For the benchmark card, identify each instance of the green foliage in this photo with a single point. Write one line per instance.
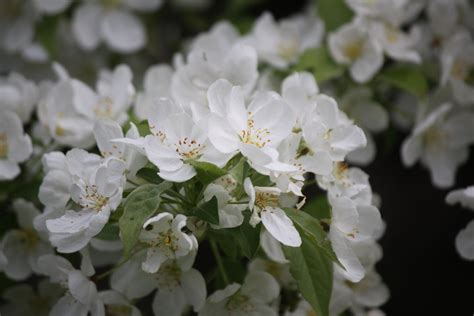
(109, 232)
(150, 175)
(319, 62)
(207, 172)
(140, 205)
(46, 33)
(334, 13)
(318, 207)
(311, 264)
(406, 77)
(207, 211)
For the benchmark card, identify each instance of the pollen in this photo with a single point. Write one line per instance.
(353, 50)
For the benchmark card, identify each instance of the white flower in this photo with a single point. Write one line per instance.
(214, 55)
(15, 146)
(280, 271)
(280, 44)
(465, 241)
(52, 6)
(176, 140)
(255, 130)
(22, 300)
(179, 286)
(457, 63)
(57, 112)
(230, 215)
(329, 131)
(394, 12)
(253, 297)
(265, 207)
(367, 114)
(112, 99)
(116, 304)
(23, 246)
(120, 29)
(440, 141)
(463, 196)
(164, 236)
(98, 193)
(353, 45)
(107, 130)
(156, 85)
(18, 95)
(81, 296)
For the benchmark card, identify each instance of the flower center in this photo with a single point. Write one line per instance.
(3, 146)
(29, 238)
(239, 302)
(434, 137)
(391, 33)
(189, 148)
(254, 136)
(266, 199)
(353, 50)
(288, 49)
(165, 240)
(93, 199)
(118, 310)
(103, 108)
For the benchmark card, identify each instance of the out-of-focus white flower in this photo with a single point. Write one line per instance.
(23, 246)
(214, 55)
(51, 6)
(280, 271)
(465, 241)
(116, 304)
(22, 300)
(98, 193)
(463, 196)
(265, 207)
(457, 62)
(280, 44)
(440, 140)
(367, 114)
(156, 85)
(353, 45)
(166, 240)
(112, 99)
(18, 95)
(15, 146)
(117, 26)
(81, 295)
(253, 297)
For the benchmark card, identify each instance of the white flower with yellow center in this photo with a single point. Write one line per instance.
(253, 297)
(164, 236)
(265, 207)
(15, 146)
(97, 193)
(255, 130)
(176, 140)
(353, 45)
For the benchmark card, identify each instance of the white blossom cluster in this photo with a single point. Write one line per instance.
(186, 193)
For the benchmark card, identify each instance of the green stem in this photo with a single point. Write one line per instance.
(220, 264)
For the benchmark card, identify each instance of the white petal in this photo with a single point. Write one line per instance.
(194, 287)
(169, 302)
(123, 31)
(81, 288)
(261, 286)
(465, 242)
(86, 25)
(8, 170)
(280, 226)
(272, 247)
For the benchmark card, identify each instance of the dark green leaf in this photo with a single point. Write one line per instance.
(207, 211)
(334, 13)
(311, 227)
(46, 33)
(247, 238)
(318, 207)
(406, 77)
(109, 232)
(140, 205)
(207, 172)
(150, 175)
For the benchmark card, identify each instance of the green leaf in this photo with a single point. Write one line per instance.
(406, 77)
(311, 227)
(312, 264)
(208, 211)
(318, 207)
(150, 175)
(334, 13)
(140, 205)
(46, 32)
(247, 238)
(320, 63)
(109, 232)
(207, 172)
(313, 272)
